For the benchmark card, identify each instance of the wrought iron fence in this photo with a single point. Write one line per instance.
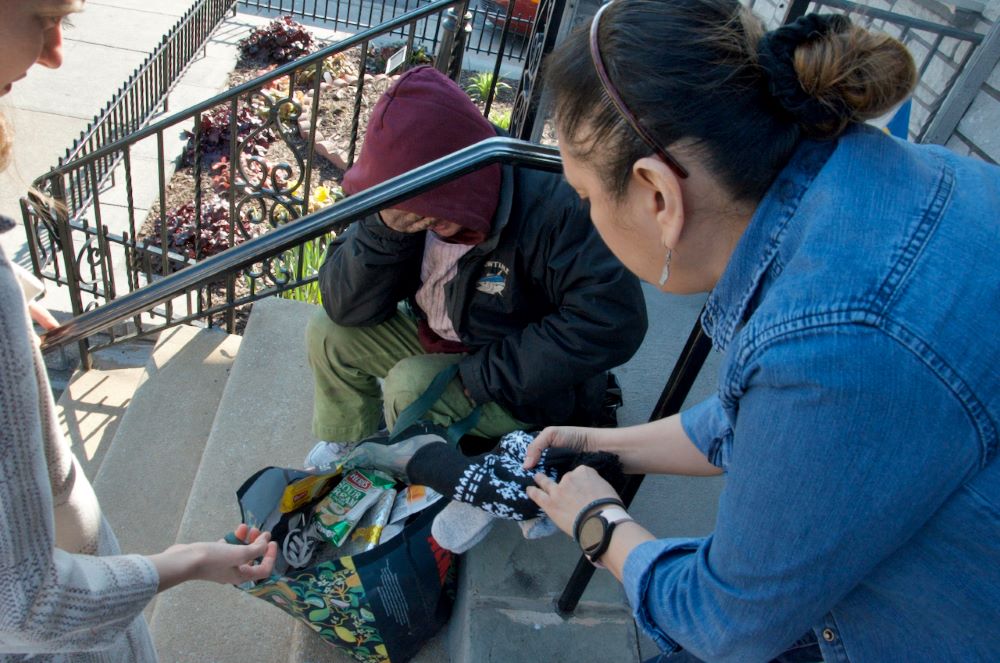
(275, 246)
(940, 51)
(240, 190)
(213, 176)
(486, 22)
(144, 93)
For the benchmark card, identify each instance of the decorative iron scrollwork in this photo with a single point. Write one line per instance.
(541, 42)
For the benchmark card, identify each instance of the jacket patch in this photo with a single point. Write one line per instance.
(494, 278)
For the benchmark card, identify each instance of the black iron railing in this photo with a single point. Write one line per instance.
(102, 239)
(274, 245)
(487, 19)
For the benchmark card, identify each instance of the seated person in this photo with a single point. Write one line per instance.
(501, 272)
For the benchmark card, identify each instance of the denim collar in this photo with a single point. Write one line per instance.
(728, 304)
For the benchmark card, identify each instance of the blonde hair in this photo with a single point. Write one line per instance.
(6, 142)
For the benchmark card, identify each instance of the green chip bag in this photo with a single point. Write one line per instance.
(338, 513)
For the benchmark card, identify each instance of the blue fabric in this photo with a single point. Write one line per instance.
(899, 125)
(856, 417)
(805, 650)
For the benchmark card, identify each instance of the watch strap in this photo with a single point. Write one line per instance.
(590, 507)
(612, 517)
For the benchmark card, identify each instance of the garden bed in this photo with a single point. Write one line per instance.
(274, 136)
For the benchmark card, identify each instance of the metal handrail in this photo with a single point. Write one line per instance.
(249, 86)
(386, 194)
(800, 7)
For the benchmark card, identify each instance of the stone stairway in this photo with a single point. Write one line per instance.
(210, 409)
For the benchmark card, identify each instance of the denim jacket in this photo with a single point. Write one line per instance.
(856, 417)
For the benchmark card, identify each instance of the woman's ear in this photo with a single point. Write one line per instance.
(661, 197)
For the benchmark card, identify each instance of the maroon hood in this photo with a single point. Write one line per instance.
(422, 117)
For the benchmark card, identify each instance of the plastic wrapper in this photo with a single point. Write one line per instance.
(305, 490)
(337, 514)
(409, 501)
(368, 532)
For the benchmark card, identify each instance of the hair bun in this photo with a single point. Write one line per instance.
(776, 56)
(826, 72)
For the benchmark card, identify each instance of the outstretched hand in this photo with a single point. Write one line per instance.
(576, 438)
(220, 562)
(235, 564)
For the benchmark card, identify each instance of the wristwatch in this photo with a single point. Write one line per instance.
(593, 533)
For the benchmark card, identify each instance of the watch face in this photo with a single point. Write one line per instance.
(592, 533)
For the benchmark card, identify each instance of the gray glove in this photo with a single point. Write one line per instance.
(389, 458)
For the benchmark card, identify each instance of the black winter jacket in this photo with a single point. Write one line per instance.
(543, 304)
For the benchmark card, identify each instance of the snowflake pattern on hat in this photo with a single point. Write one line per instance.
(497, 482)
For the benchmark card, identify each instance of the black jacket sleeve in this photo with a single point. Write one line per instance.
(368, 270)
(597, 321)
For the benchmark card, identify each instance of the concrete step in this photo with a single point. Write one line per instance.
(263, 419)
(92, 403)
(144, 481)
(506, 605)
(159, 441)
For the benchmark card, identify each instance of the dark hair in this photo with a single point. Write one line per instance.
(689, 70)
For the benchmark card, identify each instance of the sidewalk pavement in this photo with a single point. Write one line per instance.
(51, 107)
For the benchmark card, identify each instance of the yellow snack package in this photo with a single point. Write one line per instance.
(305, 490)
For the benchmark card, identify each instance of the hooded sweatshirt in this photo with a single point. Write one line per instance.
(422, 117)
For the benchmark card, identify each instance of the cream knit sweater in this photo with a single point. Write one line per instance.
(65, 592)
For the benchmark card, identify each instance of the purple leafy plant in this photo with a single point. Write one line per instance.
(184, 235)
(280, 41)
(216, 130)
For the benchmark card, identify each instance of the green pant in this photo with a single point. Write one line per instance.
(347, 363)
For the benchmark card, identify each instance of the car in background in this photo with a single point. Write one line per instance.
(521, 20)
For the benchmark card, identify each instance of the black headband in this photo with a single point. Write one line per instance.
(616, 99)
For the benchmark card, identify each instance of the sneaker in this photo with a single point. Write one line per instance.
(300, 542)
(326, 455)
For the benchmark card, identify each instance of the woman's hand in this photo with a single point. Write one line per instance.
(576, 438)
(230, 564)
(41, 315)
(563, 501)
(220, 562)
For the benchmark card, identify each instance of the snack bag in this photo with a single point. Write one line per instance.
(337, 514)
(305, 490)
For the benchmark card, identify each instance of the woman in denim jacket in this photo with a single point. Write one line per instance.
(855, 292)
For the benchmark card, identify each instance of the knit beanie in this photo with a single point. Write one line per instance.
(422, 117)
